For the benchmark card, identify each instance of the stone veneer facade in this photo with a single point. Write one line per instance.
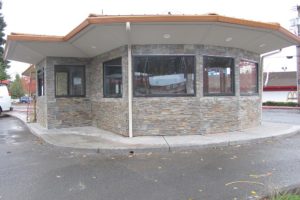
(151, 115)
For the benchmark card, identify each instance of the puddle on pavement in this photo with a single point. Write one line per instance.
(16, 128)
(7, 138)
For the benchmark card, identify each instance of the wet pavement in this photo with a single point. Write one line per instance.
(282, 116)
(31, 169)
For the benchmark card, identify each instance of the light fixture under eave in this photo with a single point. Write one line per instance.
(228, 39)
(166, 36)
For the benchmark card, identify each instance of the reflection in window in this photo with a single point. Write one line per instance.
(69, 81)
(218, 76)
(164, 75)
(248, 77)
(112, 78)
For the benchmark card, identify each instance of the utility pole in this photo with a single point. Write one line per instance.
(296, 23)
(298, 55)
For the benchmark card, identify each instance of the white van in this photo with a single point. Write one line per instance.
(5, 99)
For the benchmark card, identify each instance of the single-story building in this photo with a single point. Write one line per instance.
(280, 86)
(151, 74)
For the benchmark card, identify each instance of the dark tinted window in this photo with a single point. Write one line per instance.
(218, 76)
(40, 82)
(248, 77)
(112, 80)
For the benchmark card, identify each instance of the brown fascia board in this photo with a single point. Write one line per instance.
(33, 37)
(112, 19)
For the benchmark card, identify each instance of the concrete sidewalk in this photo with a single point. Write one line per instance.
(91, 138)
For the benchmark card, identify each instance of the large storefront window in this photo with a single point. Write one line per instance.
(164, 75)
(218, 76)
(69, 81)
(112, 81)
(248, 78)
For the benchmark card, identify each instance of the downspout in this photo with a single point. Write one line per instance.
(262, 57)
(267, 79)
(129, 75)
(262, 60)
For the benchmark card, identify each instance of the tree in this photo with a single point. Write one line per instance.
(3, 63)
(16, 88)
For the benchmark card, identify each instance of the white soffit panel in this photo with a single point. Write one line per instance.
(101, 38)
(269, 42)
(232, 36)
(60, 49)
(169, 33)
(24, 54)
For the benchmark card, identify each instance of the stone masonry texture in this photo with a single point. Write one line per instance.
(63, 112)
(41, 104)
(110, 114)
(198, 114)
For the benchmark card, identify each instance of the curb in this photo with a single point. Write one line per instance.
(234, 143)
(163, 148)
(280, 108)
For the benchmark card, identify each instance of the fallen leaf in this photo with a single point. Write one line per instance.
(261, 175)
(233, 157)
(250, 182)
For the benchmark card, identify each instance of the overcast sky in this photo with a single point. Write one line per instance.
(59, 17)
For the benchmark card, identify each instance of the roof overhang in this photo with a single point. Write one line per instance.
(99, 34)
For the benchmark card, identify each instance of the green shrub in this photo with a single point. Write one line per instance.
(293, 194)
(274, 103)
(286, 197)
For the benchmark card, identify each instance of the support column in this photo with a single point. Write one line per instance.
(130, 134)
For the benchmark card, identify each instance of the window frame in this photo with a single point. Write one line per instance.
(103, 78)
(69, 84)
(165, 95)
(207, 94)
(40, 87)
(257, 78)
